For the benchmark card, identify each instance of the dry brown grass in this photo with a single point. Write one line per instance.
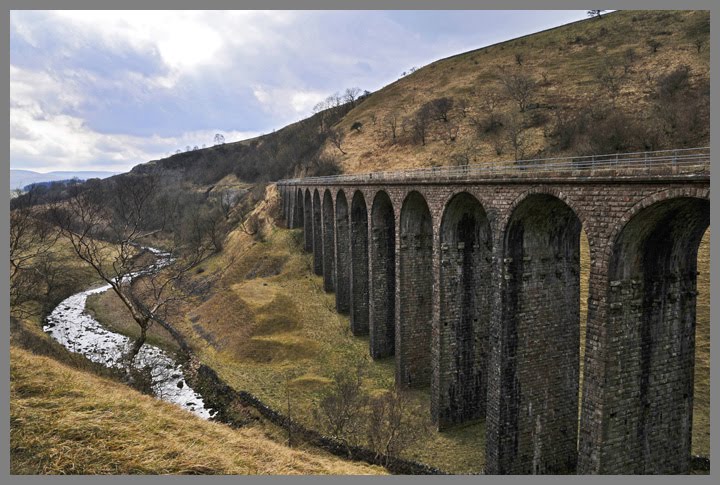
(568, 57)
(63, 421)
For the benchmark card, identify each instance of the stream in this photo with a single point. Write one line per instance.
(79, 332)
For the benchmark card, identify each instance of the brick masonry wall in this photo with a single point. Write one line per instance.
(359, 271)
(648, 420)
(299, 221)
(317, 235)
(328, 242)
(541, 322)
(604, 207)
(465, 292)
(342, 254)
(413, 331)
(307, 228)
(382, 278)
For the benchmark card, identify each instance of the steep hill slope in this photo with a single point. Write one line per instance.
(595, 86)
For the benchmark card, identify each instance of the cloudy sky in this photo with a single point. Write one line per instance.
(101, 90)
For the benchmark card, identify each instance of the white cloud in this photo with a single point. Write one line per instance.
(99, 88)
(52, 140)
(286, 103)
(65, 143)
(185, 40)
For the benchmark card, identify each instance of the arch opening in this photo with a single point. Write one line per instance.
(465, 310)
(540, 333)
(382, 281)
(328, 221)
(651, 320)
(359, 269)
(307, 220)
(342, 254)
(317, 235)
(413, 335)
(298, 219)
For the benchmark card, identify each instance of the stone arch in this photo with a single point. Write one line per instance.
(382, 277)
(559, 194)
(328, 222)
(317, 234)
(648, 201)
(342, 253)
(307, 219)
(413, 335)
(535, 427)
(465, 286)
(359, 281)
(650, 323)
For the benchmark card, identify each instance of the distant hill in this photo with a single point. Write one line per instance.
(21, 178)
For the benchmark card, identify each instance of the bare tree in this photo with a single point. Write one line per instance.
(219, 139)
(595, 13)
(336, 137)
(498, 142)
(420, 124)
(106, 227)
(225, 200)
(31, 244)
(390, 429)
(320, 110)
(340, 409)
(611, 77)
(335, 100)
(391, 121)
(351, 95)
(629, 57)
(439, 108)
(519, 86)
(515, 134)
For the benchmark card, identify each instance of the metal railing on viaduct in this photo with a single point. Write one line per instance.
(470, 277)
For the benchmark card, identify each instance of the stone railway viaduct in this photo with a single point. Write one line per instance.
(470, 277)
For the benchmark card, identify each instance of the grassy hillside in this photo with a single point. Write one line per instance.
(587, 75)
(63, 421)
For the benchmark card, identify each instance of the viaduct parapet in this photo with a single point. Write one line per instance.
(470, 277)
